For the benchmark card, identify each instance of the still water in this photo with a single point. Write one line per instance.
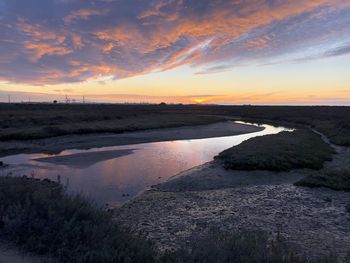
(140, 166)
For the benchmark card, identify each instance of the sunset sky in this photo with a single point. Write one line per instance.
(188, 51)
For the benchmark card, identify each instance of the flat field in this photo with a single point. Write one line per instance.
(34, 121)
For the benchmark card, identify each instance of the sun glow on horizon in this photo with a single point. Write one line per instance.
(291, 52)
(199, 101)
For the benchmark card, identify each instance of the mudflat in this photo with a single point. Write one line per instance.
(58, 144)
(82, 160)
(10, 254)
(314, 221)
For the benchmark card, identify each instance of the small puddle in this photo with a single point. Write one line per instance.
(113, 175)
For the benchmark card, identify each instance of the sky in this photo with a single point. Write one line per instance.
(177, 51)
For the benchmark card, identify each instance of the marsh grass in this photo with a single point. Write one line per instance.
(336, 179)
(243, 247)
(280, 152)
(39, 217)
(333, 121)
(38, 121)
(33, 121)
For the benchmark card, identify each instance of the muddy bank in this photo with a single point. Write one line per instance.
(83, 160)
(58, 144)
(10, 254)
(313, 221)
(211, 176)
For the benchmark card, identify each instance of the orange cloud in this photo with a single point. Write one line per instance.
(108, 48)
(221, 24)
(43, 41)
(77, 41)
(36, 31)
(261, 42)
(156, 11)
(83, 14)
(164, 34)
(39, 50)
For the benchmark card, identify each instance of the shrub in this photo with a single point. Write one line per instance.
(337, 179)
(39, 217)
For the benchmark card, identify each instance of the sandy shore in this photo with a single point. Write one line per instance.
(58, 144)
(314, 221)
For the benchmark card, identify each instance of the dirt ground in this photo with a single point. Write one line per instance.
(313, 221)
(8, 254)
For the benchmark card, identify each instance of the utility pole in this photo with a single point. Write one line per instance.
(9, 98)
(83, 99)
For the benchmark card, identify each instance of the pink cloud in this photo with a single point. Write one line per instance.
(83, 14)
(115, 38)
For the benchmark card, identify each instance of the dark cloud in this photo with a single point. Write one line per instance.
(330, 52)
(344, 50)
(215, 69)
(60, 41)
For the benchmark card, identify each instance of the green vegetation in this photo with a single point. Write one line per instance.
(280, 152)
(40, 218)
(246, 247)
(334, 179)
(31, 121)
(36, 121)
(334, 122)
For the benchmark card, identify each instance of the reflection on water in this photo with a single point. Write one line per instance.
(117, 180)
